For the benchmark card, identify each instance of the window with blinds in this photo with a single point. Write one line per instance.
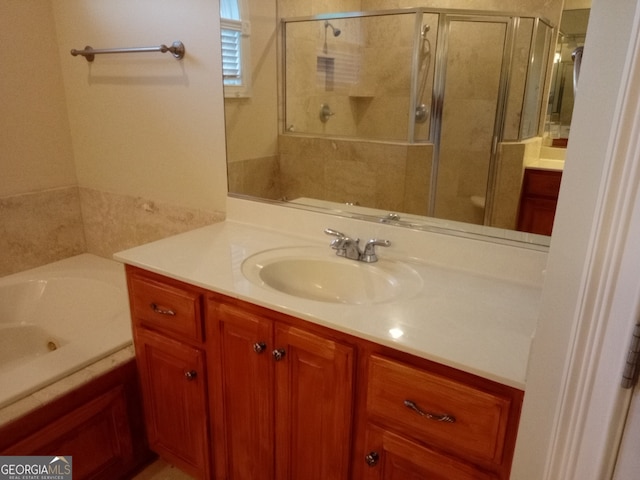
(235, 46)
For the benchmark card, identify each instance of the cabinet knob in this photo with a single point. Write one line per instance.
(259, 347)
(191, 375)
(372, 458)
(278, 354)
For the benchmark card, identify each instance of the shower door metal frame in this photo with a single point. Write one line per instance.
(440, 76)
(445, 16)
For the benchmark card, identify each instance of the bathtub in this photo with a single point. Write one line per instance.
(57, 319)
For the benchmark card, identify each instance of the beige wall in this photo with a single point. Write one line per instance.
(145, 124)
(104, 156)
(258, 113)
(35, 140)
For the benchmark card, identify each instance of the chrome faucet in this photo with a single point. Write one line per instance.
(350, 247)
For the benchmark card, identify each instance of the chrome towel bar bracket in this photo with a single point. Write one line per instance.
(177, 50)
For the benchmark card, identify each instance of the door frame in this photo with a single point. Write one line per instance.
(574, 408)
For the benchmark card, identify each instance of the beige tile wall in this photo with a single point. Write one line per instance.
(257, 177)
(388, 176)
(42, 227)
(39, 228)
(114, 222)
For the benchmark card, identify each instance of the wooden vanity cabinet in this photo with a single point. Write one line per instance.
(393, 457)
(424, 420)
(284, 408)
(169, 343)
(234, 391)
(538, 200)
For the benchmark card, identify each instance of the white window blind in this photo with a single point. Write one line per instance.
(235, 48)
(231, 52)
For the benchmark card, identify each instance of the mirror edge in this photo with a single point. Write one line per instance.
(517, 239)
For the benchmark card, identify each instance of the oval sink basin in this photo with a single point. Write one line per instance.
(318, 274)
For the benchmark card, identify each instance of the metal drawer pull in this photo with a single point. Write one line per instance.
(278, 354)
(431, 416)
(259, 347)
(162, 311)
(191, 375)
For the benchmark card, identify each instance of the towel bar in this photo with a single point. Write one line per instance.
(177, 50)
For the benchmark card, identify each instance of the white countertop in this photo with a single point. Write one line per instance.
(547, 164)
(476, 321)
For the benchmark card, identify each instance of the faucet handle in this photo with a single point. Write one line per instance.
(369, 254)
(344, 245)
(338, 243)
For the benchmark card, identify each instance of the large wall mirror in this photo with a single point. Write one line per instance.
(395, 111)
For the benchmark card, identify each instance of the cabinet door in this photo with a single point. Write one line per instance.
(96, 434)
(537, 215)
(314, 389)
(173, 379)
(391, 457)
(243, 406)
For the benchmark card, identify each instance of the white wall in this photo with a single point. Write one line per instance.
(146, 125)
(559, 359)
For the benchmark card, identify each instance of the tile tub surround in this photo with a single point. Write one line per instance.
(39, 228)
(113, 222)
(476, 312)
(42, 227)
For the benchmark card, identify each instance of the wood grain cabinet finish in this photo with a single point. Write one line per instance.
(169, 342)
(247, 393)
(174, 388)
(425, 421)
(99, 425)
(169, 308)
(393, 457)
(539, 200)
(285, 405)
(436, 410)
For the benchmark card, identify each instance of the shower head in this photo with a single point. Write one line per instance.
(336, 31)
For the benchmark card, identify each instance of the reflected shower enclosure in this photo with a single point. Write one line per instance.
(441, 91)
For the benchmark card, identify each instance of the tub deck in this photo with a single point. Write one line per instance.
(59, 318)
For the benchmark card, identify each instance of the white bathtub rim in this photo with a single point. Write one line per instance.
(106, 339)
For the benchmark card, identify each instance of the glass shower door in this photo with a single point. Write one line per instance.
(471, 104)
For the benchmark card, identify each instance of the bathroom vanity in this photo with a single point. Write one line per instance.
(539, 199)
(240, 380)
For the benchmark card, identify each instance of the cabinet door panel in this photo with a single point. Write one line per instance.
(174, 390)
(96, 435)
(244, 412)
(397, 458)
(314, 389)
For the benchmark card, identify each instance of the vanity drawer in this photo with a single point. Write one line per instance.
(165, 308)
(416, 402)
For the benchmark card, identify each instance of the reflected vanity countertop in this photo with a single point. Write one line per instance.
(551, 158)
(547, 164)
(475, 321)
